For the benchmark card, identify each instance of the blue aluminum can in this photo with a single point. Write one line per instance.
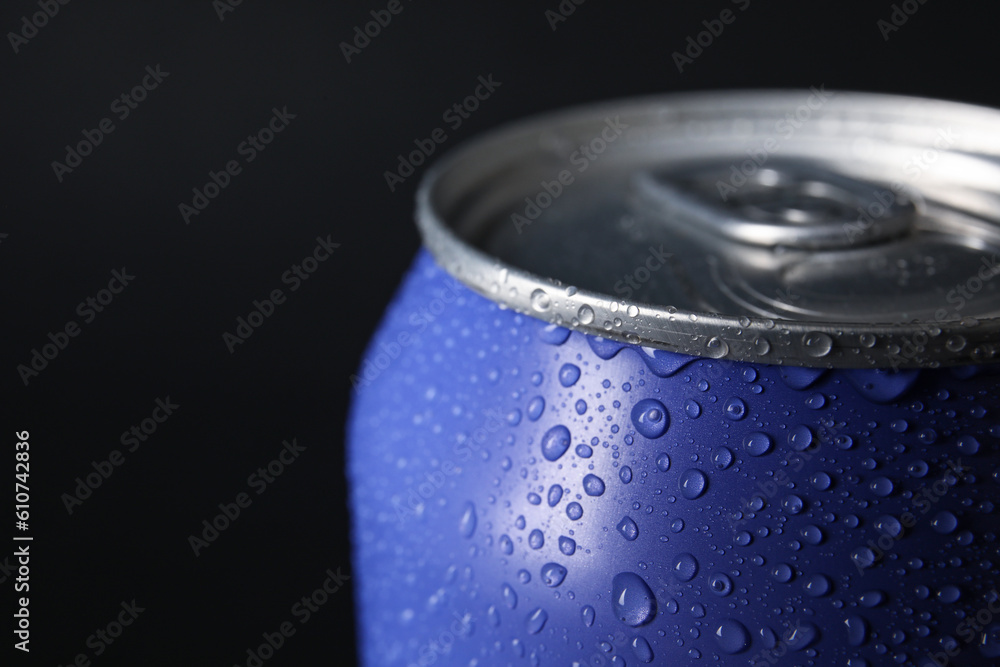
(694, 380)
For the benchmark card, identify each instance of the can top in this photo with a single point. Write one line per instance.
(810, 228)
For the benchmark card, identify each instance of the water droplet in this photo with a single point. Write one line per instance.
(817, 344)
(857, 630)
(534, 498)
(574, 511)
(632, 600)
(589, 614)
(567, 545)
(735, 408)
(553, 574)
(553, 334)
(757, 444)
(580, 406)
(685, 566)
(633, 311)
(555, 442)
(585, 314)
(732, 636)
(802, 635)
(889, 525)
(569, 374)
(692, 483)
(792, 504)
(555, 495)
(593, 485)
(506, 545)
(692, 408)
(628, 529)
(949, 594)
(509, 596)
(761, 346)
(536, 621)
(881, 486)
(625, 474)
(642, 650)
(868, 340)
(967, 444)
(944, 522)
(650, 418)
(722, 457)
(716, 348)
(800, 437)
(821, 481)
(863, 557)
(816, 401)
(536, 539)
(918, 468)
(720, 584)
(872, 598)
(955, 344)
(817, 585)
(989, 641)
(535, 408)
(782, 573)
(540, 300)
(467, 522)
(663, 462)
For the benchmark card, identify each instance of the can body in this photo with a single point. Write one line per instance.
(527, 494)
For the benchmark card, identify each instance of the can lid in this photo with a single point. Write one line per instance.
(811, 228)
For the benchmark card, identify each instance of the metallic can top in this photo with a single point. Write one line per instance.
(809, 228)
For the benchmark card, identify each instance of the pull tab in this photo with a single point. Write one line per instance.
(785, 203)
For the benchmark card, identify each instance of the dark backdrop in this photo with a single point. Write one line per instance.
(223, 71)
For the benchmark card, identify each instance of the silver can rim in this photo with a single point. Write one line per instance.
(709, 335)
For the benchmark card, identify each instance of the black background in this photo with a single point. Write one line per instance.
(323, 175)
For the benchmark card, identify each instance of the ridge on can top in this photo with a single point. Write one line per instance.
(810, 228)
